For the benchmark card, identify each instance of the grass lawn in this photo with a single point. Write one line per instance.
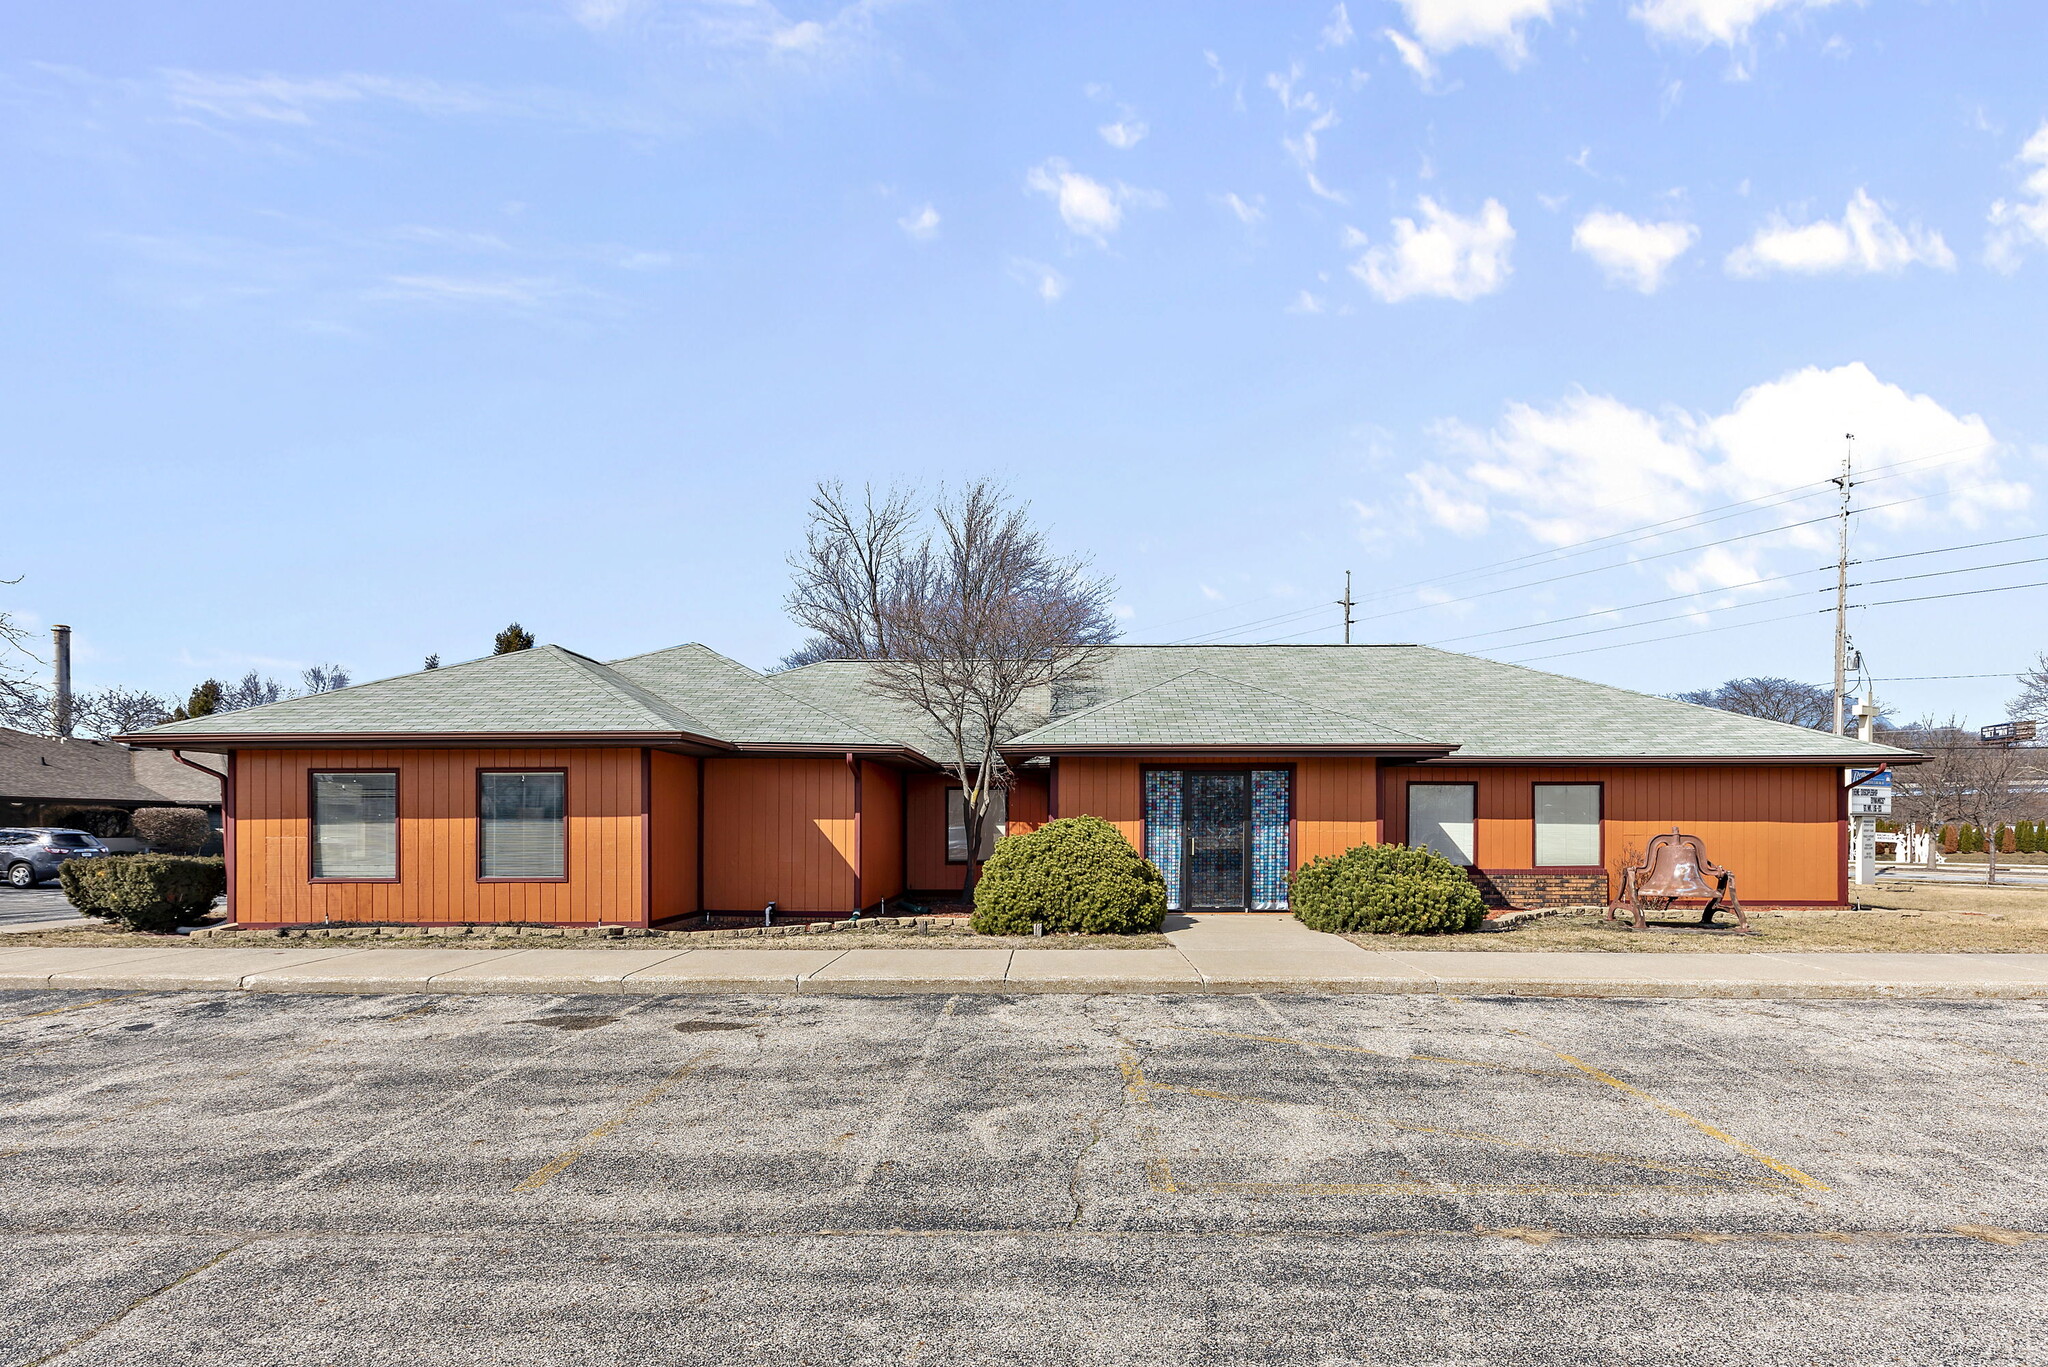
(876, 937)
(1896, 918)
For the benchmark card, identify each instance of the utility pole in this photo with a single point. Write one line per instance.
(1346, 604)
(1845, 484)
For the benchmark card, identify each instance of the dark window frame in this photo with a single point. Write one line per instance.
(946, 823)
(1599, 825)
(1408, 811)
(483, 877)
(397, 822)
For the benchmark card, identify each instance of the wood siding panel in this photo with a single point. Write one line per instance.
(1775, 826)
(924, 800)
(1108, 788)
(437, 840)
(778, 830)
(881, 832)
(1336, 806)
(673, 822)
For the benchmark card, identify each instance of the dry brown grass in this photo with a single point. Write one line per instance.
(1894, 919)
(880, 937)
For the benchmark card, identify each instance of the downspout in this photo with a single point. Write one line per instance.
(646, 838)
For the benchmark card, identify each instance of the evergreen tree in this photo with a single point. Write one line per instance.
(204, 702)
(514, 637)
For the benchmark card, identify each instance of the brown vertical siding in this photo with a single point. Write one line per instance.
(925, 809)
(1774, 826)
(778, 830)
(1336, 806)
(881, 832)
(1108, 788)
(437, 840)
(1030, 801)
(674, 821)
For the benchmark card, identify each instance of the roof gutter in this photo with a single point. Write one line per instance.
(180, 757)
(395, 739)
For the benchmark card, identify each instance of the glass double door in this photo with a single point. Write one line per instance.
(1216, 834)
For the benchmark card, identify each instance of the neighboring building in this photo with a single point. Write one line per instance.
(41, 773)
(542, 786)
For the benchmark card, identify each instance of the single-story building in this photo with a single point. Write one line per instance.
(40, 776)
(544, 786)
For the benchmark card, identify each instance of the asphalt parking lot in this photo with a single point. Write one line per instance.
(252, 1178)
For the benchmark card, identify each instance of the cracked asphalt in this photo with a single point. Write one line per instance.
(242, 1178)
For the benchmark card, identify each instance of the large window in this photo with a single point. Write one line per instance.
(1440, 819)
(355, 824)
(994, 824)
(522, 824)
(1567, 825)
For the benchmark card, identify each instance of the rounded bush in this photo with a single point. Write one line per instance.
(1077, 874)
(153, 893)
(173, 830)
(1386, 890)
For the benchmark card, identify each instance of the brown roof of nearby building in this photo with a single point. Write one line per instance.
(44, 769)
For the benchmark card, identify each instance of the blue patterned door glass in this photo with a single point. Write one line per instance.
(1163, 828)
(1269, 839)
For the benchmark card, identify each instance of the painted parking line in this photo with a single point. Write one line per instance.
(1713, 1132)
(541, 1177)
(1376, 1053)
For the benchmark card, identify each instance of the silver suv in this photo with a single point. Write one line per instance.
(30, 854)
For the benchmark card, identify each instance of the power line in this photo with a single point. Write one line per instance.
(1966, 593)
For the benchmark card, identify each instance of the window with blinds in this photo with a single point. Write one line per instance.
(522, 825)
(1567, 825)
(355, 824)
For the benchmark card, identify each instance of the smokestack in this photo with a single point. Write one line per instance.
(62, 707)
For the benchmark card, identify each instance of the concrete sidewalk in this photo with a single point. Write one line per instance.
(1210, 954)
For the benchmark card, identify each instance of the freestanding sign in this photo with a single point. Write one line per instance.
(1870, 792)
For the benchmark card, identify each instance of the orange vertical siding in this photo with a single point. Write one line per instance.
(1108, 788)
(1775, 826)
(1030, 798)
(673, 825)
(881, 832)
(437, 840)
(778, 830)
(924, 800)
(1336, 806)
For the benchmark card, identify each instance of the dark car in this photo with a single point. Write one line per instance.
(30, 854)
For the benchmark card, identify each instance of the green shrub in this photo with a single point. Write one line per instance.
(173, 830)
(1076, 874)
(154, 893)
(104, 822)
(1386, 890)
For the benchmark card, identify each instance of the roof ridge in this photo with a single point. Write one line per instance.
(765, 681)
(661, 708)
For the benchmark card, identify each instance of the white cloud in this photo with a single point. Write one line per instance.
(1248, 211)
(1443, 25)
(513, 292)
(1338, 32)
(1283, 86)
(1305, 302)
(922, 225)
(1711, 21)
(601, 14)
(1125, 133)
(295, 100)
(1630, 252)
(1305, 149)
(1446, 256)
(1412, 56)
(1088, 207)
(1047, 283)
(1865, 241)
(1589, 465)
(2019, 224)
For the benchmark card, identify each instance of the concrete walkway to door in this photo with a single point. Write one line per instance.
(1269, 950)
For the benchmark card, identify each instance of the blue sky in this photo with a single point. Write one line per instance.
(352, 331)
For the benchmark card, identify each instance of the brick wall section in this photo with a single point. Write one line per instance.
(1524, 889)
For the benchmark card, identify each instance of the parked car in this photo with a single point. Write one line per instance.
(31, 854)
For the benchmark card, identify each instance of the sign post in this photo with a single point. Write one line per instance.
(1870, 797)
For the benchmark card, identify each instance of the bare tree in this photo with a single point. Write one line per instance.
(324, 678)
(1999, 775)
(20, 695)
(1773, 699)
(112, 711)
(981, 616)
(2032, 702)
(846, 574)
(1927, 795)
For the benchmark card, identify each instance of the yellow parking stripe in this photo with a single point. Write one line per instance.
(661, 1089)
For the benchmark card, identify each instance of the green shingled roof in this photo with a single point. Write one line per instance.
(1164, 696)
(541, 690)
(1198, 708)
